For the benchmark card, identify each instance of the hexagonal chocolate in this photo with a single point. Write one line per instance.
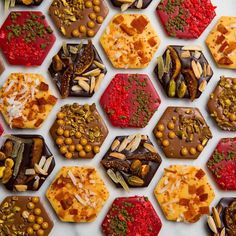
(130, 41)
(128, 4)
(26, 38)
(130, 100)
(184, 193)
(79, 131)
(131, 161)
(222, 221)
(185, 19)
(183, 71)
(78, 19)
(222, 104)
(77, 70)
(145, 220)
(182, 132)
(25, 216)
(77, 194)
(222, 164)
(22, 3)
(221, 42)
(25, 162)
(25, 100)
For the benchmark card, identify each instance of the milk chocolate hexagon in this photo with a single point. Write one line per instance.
(130, 41)
(186, 18)
(222, 164)
(222, 104)
(79, 131)
(189, 193)
(130, 100)
(26, 216)
(25, 162)
(77, 194)
(183, 71)
(221, 42)
(77, 70)
(26, 38)
(78, 19)
(182, 132)
(144, 217)
(131, 161)
(25, 100)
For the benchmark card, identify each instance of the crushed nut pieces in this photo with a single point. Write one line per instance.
(78, 131)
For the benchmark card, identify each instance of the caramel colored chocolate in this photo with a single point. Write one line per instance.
(79, 131)
(24, 215)
(131, 160)
(78, 18)
(223, 218)
(222, 104)
(183, 71)
(25, 162)
(77, 70)
(182, 132)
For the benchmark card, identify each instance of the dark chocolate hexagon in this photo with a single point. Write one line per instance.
(185, 19)
(222, 164)
(182, 132)
(78, 19)
(130, 100)
(77, 70)
(222, 104)
(26, 38)
(25, 162)
(130, 4)
(135, 215)
(222, 221)
(183, 71)
(79, 131)
(131, 161)
(26, 216)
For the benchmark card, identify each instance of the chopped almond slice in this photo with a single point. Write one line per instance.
(42, 161)
(221, 28)
(225, 61)
(128, 30)
(152, 41)
(72, 177)
(36, 182)
(47, 164)
(118, 20)
(139, 23)
(51, 100)
(80, 200)
(220, 39)
(200, 174)
(223, 46)
(39, 170)
(21, 187)
(43, 86)
(29, 172)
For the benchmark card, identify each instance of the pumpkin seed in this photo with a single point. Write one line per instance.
(172, 88)
(161, 67)
(135, 181)
(167, 62)
(182, 89)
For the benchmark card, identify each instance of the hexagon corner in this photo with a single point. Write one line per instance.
(79, 131)
(79, 19)
(182, 132)
(23, 44)
(26, 216)
(222, 104)
(125, 5)
(131, 161)
(77, 70)
(144, 217)
(183, 71)
(185, 19)
(25, 162)
(130, 41)
(189, 193)
(26, 100)
(221, 44)
(77, 194)
(130, 100)
(222, 164)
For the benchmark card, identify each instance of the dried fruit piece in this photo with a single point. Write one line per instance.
(175, 62)
(192, 83)
(182, 90)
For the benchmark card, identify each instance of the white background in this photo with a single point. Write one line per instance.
(224, 8)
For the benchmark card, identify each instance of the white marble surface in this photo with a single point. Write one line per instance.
(224, 7)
